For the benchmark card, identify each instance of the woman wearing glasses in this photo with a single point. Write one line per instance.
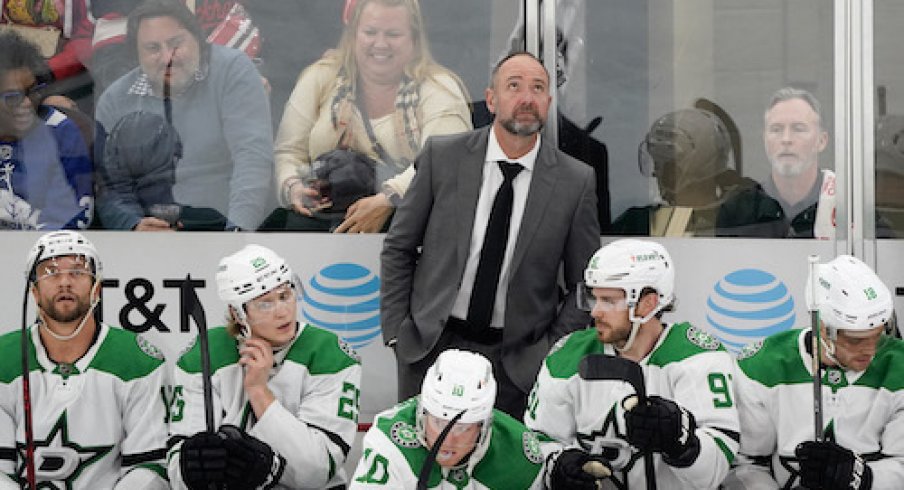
(285, 394)
(45, 169)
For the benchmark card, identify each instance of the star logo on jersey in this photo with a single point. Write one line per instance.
(58, 460)
(610, 442)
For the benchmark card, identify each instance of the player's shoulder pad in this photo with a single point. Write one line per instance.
(321, 351)
(223, 349)
(11, 356)
(775, 360)
(514, 457)
(565, 355)
(126, 355)
(885, 369)
(683, 341)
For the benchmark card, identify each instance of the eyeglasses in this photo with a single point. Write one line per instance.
(284, 296)
(14, 98)
(438, 424)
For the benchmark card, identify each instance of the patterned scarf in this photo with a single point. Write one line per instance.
(344, 112)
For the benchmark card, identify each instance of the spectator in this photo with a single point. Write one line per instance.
(45, 171)
(219, 110)
(492, 219)
(797, 199)
(688, 152)
(380, 94)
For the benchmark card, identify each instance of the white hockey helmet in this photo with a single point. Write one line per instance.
(249, 273)
(458, 381)
(632, 265)
(850, 296)
(58, 244)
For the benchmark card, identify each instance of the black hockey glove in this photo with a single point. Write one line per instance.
(202, 461)
(656, 424)
(829, 466)
(578, 470)
(252, 464)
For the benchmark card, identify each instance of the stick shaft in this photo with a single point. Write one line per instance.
(816, 348)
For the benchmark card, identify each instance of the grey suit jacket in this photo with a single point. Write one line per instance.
(425, 250)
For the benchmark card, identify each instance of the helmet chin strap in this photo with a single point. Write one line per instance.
(43, 323)
(636, 323)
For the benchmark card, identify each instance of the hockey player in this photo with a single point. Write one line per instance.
(688, 427)
(862, 393)
(485, 448)
(285, 394)
(98, 419)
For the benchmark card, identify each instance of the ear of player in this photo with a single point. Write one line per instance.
(656, 424)
(829, 466)
(575, 469)
(231, 459)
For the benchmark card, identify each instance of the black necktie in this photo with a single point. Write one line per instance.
(483, 293)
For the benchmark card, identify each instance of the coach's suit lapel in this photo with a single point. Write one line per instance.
(539, 196)
(470, 175)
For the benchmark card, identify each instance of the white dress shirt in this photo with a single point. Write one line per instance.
(490, 182)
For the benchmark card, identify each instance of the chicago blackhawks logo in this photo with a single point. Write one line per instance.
(58, 460)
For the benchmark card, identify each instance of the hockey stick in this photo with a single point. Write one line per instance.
(816, 348)
(26, 381)
(191, 307)
(423, 477)
(599, 367)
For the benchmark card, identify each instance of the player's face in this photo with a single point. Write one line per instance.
(64, 287)
(272, 316)
(17, 107)
(460, 441)
(161, 39)
(794, 137)
(384, 43)
(855, 350)
(610, 315)
(520, 96)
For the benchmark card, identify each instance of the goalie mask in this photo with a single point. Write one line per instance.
(683, 149)
(632, 266)
(58, 244)
(458, 381)
(249, 273)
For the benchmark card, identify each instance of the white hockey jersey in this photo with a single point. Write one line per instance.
(392, 456)
(862, 411)
(313, 421)
(687, 366)
(93, 421)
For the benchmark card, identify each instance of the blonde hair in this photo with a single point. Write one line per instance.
(421, 67)
(233, 327)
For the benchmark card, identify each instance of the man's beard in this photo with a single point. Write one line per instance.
(789, 169)
(523, 129)
(81, 309)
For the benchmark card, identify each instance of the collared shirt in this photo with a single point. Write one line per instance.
(490, 182)
(142, 85)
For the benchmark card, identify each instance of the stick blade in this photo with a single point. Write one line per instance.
(594, 367)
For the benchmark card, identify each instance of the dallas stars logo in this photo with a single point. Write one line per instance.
(611, 442)
(58, 460)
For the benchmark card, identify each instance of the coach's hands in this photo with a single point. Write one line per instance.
(656, 424)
